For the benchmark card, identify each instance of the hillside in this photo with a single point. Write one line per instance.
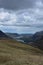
(16, 53)
(38, 39)
(4, 36)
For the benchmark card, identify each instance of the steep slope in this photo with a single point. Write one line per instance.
(38, 39)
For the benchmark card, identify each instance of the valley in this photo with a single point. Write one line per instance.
(14, 52)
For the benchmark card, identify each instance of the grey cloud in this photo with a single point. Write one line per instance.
(17, 4)
(26, 20)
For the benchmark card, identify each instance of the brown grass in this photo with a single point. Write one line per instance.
(15, 53)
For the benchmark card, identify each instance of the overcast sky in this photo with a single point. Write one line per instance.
(21, 16)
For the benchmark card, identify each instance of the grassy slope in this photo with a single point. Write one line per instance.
(15, 53)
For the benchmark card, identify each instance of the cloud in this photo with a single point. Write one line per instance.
(17, 18)
(23, 20)
(39, 4)
(17, 4)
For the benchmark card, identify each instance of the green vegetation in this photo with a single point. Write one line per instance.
(15, 53)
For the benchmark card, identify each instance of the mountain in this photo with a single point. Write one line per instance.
(4, 36)
(35, 40)
(13, 35)
(38, 39)
(25, 38)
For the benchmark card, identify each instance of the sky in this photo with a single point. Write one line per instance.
(21, 16)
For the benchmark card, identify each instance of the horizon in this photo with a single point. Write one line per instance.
(21, 32)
